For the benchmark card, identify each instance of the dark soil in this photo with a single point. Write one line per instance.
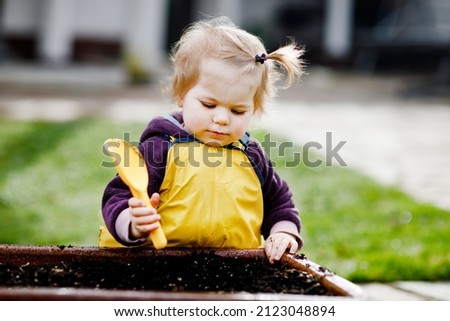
(197, 272)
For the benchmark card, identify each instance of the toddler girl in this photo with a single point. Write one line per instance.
(210, 184)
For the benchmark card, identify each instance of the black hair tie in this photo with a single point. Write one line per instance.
(261, 58)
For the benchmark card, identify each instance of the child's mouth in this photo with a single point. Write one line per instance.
(217, 134)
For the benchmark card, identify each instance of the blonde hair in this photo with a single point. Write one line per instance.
(222, 39)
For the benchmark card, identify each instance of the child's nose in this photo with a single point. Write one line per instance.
(221, 116)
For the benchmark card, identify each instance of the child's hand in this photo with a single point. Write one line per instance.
(143, 219)
(277, 243)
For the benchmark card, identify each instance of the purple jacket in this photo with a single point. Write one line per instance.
(154, 145)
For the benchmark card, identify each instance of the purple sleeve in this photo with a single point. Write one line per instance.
(116, 194)
(278, 202)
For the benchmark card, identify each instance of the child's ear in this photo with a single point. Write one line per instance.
(180, 102)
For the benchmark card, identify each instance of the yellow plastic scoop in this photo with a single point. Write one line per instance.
(131, 167)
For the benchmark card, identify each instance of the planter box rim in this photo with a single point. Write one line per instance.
(341, 288)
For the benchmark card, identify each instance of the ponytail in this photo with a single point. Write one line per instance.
(289, 57)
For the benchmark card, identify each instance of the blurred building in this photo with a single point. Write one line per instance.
(352, 33)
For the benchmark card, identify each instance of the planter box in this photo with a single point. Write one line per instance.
(92, 273)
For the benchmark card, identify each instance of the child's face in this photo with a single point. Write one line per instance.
(219, 107)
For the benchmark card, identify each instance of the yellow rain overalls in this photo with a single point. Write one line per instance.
(210, 197)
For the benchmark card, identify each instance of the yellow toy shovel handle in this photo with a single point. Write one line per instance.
(157, 236)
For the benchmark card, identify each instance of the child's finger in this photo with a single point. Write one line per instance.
(272, 247)
(154, 200)
(280, 249)
(293, 247)
(142, 211)
(135, 202)
(146, 219)
(277, 245)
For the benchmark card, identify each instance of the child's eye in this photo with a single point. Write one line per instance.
(238, 112)
(208, 105)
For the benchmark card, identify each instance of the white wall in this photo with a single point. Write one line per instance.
(91, 18)
(140, 25)
(105, 19)
(20, 16)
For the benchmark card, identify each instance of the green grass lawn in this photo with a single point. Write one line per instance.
(52, 180)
